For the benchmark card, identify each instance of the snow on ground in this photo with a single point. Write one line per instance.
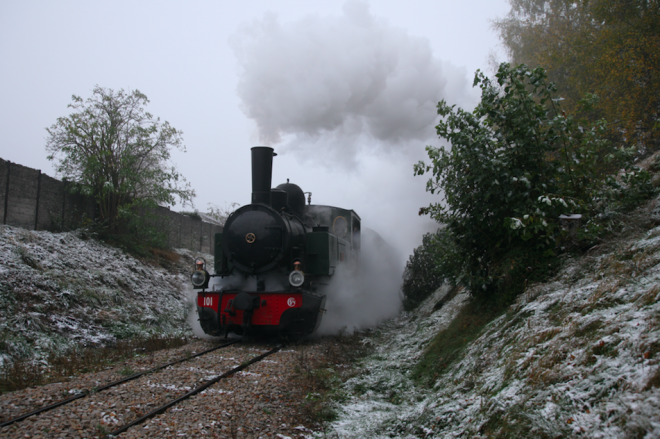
(577, 356)
(58, 291)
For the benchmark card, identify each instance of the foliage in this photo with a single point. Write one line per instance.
(134, 230)
(516, 163)
(221, 214)
(607, 47)
(118, 152)
(426, 268)
(194, 214)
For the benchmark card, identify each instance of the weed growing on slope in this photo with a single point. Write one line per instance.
(447, 345)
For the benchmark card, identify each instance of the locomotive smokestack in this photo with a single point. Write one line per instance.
(262, 171)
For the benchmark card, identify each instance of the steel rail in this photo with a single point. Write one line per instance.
(195, 391)
(88, 392)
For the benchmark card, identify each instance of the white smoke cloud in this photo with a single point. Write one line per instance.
(361, 300)
(342, 83)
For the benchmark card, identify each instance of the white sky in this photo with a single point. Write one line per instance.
(178, 53)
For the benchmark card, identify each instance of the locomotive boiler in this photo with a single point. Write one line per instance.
(275, 259)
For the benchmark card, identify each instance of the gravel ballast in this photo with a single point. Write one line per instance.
(263, 400)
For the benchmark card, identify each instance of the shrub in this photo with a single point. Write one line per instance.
(427, 268)
(516, 163)
(134, 230)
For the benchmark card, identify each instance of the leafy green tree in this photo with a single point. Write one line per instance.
(610, 48)
(515, 164)
(118, 153)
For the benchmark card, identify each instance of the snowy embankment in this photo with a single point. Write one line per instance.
(577, 356)
(58, 291)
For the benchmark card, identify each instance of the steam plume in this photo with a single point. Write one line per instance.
(341, 83)
(361, 300)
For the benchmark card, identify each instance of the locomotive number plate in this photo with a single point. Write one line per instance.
(207, 300)
(250, 238)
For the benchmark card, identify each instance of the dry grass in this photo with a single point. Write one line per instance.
(546, 335)
(654, 381)
(545, 371)
(651, 296)
(166, 254)
(21, 374)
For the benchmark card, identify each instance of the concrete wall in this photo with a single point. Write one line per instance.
(184, 231)
(20, 195)
(33, 200)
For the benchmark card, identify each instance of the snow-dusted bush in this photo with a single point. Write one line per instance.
(516, 163)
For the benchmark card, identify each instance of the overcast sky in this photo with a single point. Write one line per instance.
(345, 91)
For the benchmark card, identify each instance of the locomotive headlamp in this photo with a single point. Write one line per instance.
(296, 278)
(198, 278)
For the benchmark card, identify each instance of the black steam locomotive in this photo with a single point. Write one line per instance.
(274, 260)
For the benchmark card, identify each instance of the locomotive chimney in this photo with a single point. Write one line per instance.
(262, 170)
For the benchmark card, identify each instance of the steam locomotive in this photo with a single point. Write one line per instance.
(274, 260)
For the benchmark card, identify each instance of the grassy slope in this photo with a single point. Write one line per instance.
(579, 355)
(58, 291)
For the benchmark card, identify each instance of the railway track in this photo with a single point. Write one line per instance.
(121, 406)
(85, 393)
(193, 392)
